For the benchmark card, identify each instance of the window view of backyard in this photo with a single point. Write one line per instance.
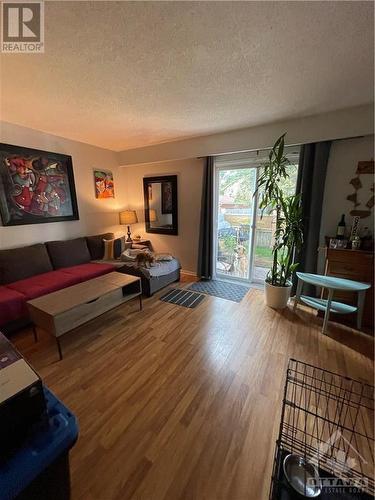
(236, 187)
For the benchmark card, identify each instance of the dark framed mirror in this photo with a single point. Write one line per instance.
(161, 202)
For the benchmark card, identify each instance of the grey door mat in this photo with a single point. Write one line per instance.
(182, 297)
(222, 289)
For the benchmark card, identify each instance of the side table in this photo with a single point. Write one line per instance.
(332, 284)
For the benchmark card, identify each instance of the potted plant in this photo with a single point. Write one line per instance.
(288, 234)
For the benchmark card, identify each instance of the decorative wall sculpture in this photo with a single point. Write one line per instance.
(363, 208)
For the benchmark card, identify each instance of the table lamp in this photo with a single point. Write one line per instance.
(128, 217)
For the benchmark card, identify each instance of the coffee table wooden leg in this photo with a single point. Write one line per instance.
(59, 348)
(35, 332)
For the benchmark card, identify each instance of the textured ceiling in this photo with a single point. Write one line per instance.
(127, 74)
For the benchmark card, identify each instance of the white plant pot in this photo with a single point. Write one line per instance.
(277, 296)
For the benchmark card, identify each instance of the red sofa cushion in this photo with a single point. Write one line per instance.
(87, 271)
(12, 305)
(41, 284)
(13, 297)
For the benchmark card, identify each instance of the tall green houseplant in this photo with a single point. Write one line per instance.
(289, 229)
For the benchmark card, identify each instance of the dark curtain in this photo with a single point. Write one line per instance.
(311, 179)
(206, 225)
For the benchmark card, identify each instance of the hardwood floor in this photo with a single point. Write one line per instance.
(177, 403)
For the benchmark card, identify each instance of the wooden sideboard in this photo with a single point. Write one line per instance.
(357, 265)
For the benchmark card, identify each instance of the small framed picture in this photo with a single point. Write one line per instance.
(104, 185)
(335, 243)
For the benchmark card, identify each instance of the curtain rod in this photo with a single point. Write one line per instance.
(287, 145)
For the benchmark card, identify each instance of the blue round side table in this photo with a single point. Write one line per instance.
(332, 284)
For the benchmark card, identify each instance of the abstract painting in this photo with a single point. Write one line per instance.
(36, 186)
(104, 186)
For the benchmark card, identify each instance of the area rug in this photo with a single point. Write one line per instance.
(222, 289)
(182, 297)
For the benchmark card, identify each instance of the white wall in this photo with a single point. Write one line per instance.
(342, 165)
(189, 187)
(351, 122)
(95, 215)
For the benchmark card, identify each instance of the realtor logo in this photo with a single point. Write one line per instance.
(22, 27)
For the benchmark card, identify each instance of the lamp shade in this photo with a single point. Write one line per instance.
(152, 215)
(128, 217)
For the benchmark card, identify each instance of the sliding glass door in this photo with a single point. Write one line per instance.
(243, 237)
(235, 209)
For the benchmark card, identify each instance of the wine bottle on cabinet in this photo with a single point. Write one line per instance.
(340, 232)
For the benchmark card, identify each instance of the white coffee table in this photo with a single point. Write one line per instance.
(62, 311)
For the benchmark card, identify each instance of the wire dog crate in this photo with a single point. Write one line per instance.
(328, 421)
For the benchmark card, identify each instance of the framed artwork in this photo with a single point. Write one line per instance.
(104, 186)
(166, 198)
(36, 186)
(335, 243)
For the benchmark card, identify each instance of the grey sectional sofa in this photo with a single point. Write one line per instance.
(153, 279)
(36, 270)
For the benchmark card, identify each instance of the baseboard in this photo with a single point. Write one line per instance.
(189, 273)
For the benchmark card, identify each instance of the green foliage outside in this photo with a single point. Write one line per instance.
(239, 184)
(228, 243)
(262, 255)
(264, 252)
